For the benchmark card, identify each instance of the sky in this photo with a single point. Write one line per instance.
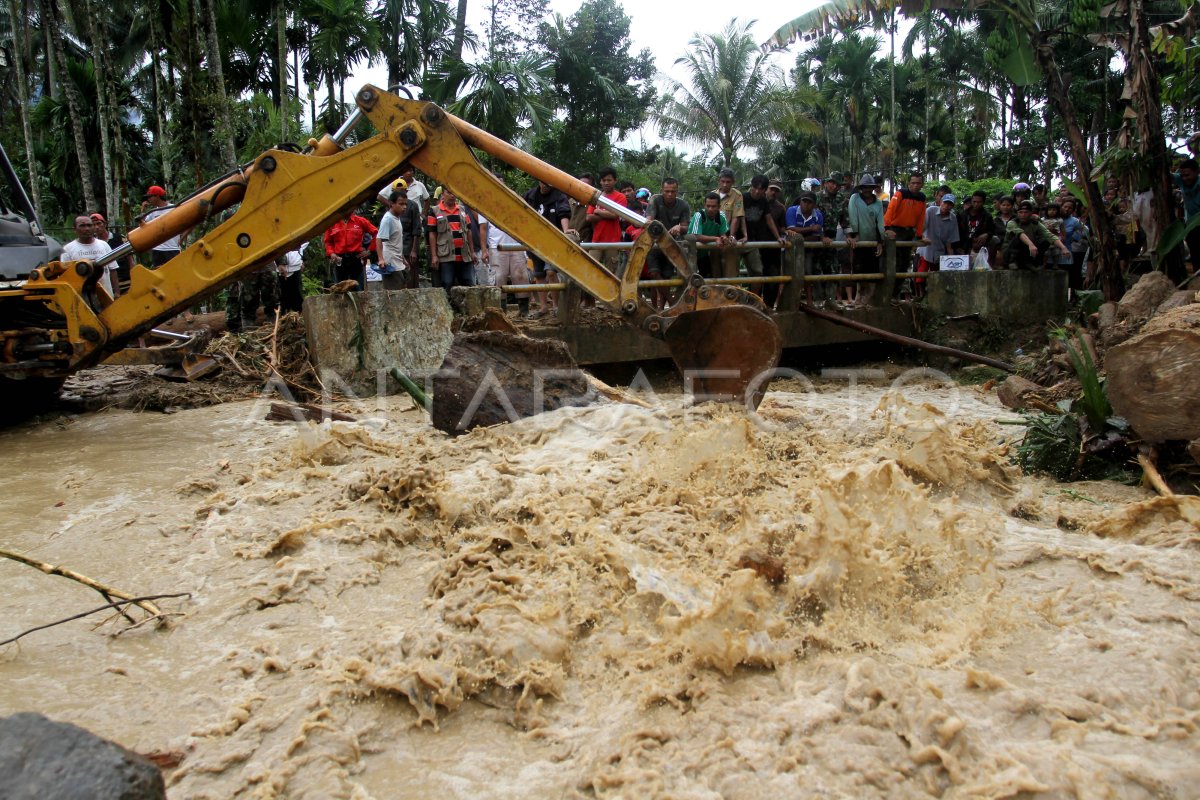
(663, 27)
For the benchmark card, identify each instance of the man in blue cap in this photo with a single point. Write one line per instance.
(941, 231)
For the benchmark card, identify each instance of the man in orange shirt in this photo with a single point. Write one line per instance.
(904, 219)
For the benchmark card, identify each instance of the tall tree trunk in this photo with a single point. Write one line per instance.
(51, 18)
(104, 108)
(282, 62)
(51, 62)
(1108, 270)
(216, 70)
(460, 30)
(1152, 144)
(21, 49)
(332, 115)
(1052, 152)
(161, 132)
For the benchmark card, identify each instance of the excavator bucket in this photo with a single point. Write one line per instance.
(725, 353)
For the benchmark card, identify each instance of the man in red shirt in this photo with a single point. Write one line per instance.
(606, 225)
(448, 228)
(347, 243)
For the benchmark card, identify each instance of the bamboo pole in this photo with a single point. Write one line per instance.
(106, 591)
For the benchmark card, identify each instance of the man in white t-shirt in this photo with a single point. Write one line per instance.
(509, 266)
(157, 205)
(417, 193)
(389, 242)
(86, 247)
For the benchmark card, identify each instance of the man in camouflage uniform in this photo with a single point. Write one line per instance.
(834, 205)
(245, 296)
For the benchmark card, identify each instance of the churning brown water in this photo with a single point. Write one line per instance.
(853, 596)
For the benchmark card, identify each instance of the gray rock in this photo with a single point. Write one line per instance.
(354, 339)
(45, 760)
(1183, 297)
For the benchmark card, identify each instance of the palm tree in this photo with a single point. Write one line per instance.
(415, 34)
(497, 94)
(53, 28)
(22, 52)
(732, 97)
(345, 35)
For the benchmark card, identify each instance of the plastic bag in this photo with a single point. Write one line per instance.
(981, 259)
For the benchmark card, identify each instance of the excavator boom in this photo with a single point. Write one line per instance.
(67, 321)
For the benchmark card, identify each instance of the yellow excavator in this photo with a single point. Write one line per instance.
(60, 318)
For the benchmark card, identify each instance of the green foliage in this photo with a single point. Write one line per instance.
(1094, 401)
(963, 188)
(497, 94)
(600, 85)
(732, 96)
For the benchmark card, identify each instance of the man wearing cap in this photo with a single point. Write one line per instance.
(866, 223)
(154, 205)
(1027, 239)
(734, 208)
(113, 240)
(86, 247)
(805, 221)
(555, 207)
(772, 260)
(941, 231)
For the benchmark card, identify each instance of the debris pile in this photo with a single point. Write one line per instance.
(269, 353)
(1119, 387)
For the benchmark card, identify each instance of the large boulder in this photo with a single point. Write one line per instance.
(1145, 296)
(45, 760)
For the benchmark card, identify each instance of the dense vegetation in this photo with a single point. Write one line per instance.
(99, 101)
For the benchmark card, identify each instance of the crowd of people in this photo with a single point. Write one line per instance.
(426, 238)
(735, 233)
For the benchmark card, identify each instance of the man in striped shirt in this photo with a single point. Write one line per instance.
(447, 227)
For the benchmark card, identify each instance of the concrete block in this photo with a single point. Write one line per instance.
(354, 339)
(1016, 296)
(471, 300)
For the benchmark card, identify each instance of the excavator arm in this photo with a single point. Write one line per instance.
(721, 335)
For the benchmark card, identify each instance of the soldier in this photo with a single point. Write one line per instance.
(834, 205)
(245, 296)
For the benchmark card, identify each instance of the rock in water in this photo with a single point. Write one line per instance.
(490, 377)
(45, 760)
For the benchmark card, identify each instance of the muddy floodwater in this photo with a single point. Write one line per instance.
(852, 594)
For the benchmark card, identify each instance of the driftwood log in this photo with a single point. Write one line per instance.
(297, 412)
(1154, 377)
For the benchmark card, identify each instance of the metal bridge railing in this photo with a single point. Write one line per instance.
(796, 258)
